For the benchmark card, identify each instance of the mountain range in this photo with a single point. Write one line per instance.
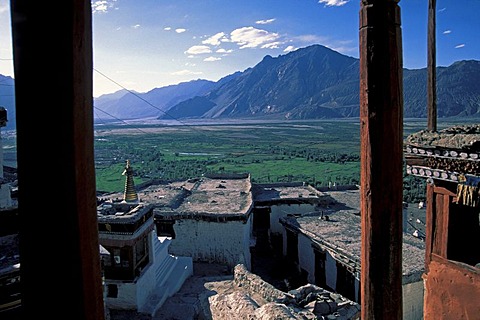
(310, 83)
(314, 82)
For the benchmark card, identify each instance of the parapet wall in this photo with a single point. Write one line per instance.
(253, 284)
(306, 302)
(281, 184)
(339, 188)
(227, 176)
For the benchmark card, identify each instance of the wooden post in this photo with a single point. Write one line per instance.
(381, 130)
(431, 65)
(59, 247)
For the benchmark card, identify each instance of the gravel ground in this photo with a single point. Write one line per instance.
(191, 301)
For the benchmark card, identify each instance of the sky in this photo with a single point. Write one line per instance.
(140, 45)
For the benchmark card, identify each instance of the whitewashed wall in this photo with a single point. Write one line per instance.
(5, 196)
(331, 271)
(126, 298)
(413, 300)
(306, 256)
(357, 290)
(284, 242)
(278, 211)
(413, 293)
(247, 236)
(131, 296)
(1, 157)
(216, 242)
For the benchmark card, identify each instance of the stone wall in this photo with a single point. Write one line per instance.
(255, 285)
(261, 300)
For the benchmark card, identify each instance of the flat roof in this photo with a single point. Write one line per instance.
(226, 196)
(121, 212)
(219, 196)
(284, 191)
(169, 195)
(341, 232)
(451, 154)
(456, 137)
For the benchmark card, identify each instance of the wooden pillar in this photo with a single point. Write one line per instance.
(381, 130)
(59, 248)
(431, 68)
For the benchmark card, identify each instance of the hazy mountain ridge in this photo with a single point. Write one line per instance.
(154, 103)
(7, 100)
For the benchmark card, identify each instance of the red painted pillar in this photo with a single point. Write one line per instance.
(431, 67)
(381, 130)
(59, 248)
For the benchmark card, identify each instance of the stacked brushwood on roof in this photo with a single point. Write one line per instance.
(452, 154)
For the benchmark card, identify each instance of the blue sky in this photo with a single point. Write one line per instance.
(144, 44)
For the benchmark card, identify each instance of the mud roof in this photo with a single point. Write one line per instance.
(461, 137)
(284, 191)
(451, 154)
(337, 228)
(216, 196)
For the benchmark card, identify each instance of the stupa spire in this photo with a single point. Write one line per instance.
(130, 195)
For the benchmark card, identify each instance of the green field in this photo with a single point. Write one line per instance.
(317, 152)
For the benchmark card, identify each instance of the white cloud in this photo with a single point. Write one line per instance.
(180, 30)
(221, 50)
(209, 59)
(271, 45)
(268, 21)
(198, 50)
(185, 72)
(215, 40)
(4, 7)
(443, 9)
(250, 37)
(167, 28)
(447, 31)
(342, 48)
(136, 26)
(103, 6)
(310, 38)
(289, 49)
(333, 3)
(188, 64)
(460, 46)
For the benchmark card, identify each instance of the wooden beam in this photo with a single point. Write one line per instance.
(431, 216)
(381, 130)
(59, 248)
(431, 68)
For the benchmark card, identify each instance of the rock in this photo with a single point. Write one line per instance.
(233, 306)
(275, 311)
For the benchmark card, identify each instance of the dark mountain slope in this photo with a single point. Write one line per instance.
(301, 84)
(317, 82)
